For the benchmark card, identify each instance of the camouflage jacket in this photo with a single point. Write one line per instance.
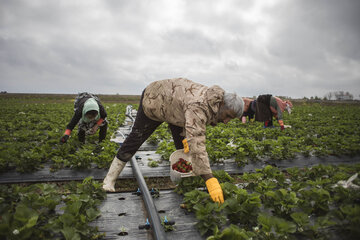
(190, 105)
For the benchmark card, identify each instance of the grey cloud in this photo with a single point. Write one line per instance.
(188, 42)
(309, 48)
(312, 30)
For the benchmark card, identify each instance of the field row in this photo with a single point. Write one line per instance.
(271, 204)
(308, 203)
(316, 130)
(31, 132)
(296, 203)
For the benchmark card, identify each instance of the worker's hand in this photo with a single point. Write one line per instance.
(243, 119)
(281, 122)
(64, 139)
(215, 190)
(93, 129)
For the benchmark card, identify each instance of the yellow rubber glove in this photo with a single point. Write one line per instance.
(186, 146)
(215, 190)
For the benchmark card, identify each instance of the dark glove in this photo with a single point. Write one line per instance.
(282, 127)
(64, 139)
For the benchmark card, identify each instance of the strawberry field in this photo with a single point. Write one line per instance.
(270, 203)
(31, 129)
(316, 130)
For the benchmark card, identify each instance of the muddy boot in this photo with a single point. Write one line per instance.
(115, 169)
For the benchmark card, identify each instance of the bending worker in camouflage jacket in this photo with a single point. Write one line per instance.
(187, 107)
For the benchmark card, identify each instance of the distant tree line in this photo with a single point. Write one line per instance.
(338, 95)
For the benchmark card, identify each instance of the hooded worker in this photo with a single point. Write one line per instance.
(187, 107)
(266, 107)
(91, 115)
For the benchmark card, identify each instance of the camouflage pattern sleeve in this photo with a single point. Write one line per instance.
(195, 127)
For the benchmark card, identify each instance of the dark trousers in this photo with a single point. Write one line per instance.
(141, 131)
(102, 132)
(263, 112)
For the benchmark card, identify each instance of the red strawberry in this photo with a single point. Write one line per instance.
(182, 166)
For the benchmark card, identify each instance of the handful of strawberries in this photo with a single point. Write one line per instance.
(182, 166)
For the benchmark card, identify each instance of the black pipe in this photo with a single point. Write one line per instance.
(158, 230)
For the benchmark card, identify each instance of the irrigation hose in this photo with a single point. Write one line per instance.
(155, 222)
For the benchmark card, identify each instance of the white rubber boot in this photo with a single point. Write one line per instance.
(115, 169)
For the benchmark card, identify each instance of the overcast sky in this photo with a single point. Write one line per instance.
(290, 48)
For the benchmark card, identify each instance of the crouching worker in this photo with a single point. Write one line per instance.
(187, 107)
(91, 116)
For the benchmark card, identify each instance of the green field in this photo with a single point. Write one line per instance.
(268, 204)
(31, 126)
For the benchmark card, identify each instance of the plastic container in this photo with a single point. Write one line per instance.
(174, 157)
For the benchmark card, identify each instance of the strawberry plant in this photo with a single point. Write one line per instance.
(33, 212)
(349, 215)
(275, 228)
(167, 224)
(316, 130)
(188, 184)
(302, 221)
(166, 148)
(315, 200)
(191, 183)
(194, 197)
(242, 207)
(282, 201)
(209, 216)
(299, 204)
(31, 130)
(223, 176)
(153, 163)
(162, 133)
(31, 133)
(232, 232)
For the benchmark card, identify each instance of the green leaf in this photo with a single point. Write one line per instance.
(70, 234)
(26, 216)
(31, 222)
(282, 226)
(300, 218)
(231, 233)
(92, 213)
(73, 208)
(265, 221)
(67, 219)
